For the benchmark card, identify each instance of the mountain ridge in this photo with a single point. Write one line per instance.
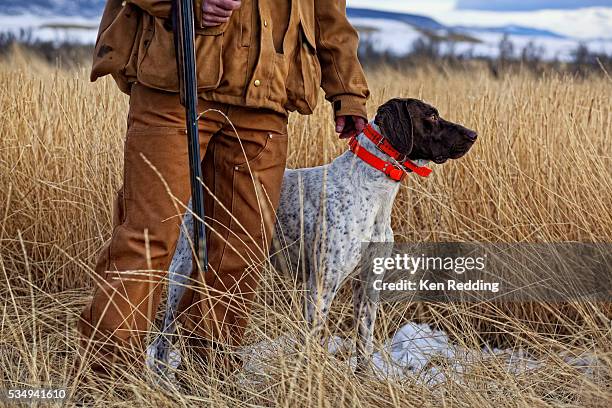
(416, 20)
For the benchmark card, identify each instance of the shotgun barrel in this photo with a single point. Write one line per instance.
(184, 37)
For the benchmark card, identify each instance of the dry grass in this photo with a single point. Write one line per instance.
(540, 172)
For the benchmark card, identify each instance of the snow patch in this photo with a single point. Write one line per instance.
(549, 48)
(59, 30)
(415, 351)
(387, 35)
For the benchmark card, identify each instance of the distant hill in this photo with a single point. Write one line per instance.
(422, 22)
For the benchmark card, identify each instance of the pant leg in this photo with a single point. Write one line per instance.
(131, 267)
(244, 173)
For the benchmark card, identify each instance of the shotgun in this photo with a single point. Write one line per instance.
(184, 40)
(184, 44)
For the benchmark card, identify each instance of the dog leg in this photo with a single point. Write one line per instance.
(322, 288)
(365, 302)
(325, 280)
(364, 312)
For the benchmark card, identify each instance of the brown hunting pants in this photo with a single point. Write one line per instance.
(243, 171)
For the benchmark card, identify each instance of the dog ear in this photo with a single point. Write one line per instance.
(394, 120)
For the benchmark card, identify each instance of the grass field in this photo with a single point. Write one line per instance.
(540, 172)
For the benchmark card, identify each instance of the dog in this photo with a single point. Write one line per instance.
(327, 212)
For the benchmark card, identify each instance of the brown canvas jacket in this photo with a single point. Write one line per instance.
(238, 62)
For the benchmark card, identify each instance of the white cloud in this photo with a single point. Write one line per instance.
(585, 23)
(513, 5)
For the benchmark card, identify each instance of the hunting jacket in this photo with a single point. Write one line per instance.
(273, 54)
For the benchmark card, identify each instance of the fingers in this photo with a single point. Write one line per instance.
(347, 134)
(210, 20)
(227, 4)
(213, 10)
(340, 124)
(360, 124)
(350, 126)
(217, 12)
(222, 8)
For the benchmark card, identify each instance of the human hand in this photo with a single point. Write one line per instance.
(349, 126)
(217, 12)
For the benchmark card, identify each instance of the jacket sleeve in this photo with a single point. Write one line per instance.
(343, 79)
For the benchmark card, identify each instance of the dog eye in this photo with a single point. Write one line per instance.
(433, 117)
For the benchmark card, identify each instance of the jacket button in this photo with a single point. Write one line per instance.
(257, 82)
(265, 23)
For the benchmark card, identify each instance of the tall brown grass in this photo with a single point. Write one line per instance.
(540, 172)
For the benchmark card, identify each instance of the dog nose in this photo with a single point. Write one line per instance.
(471, 135)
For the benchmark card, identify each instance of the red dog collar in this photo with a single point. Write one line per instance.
(392, 170)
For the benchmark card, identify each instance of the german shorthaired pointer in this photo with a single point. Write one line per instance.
(327, 212)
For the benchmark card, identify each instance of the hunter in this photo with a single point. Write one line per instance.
(257, 60)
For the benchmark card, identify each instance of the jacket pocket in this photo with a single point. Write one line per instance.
(256, 189)
(157, 58)
(278, 79)
(304, 78)
(245, 13)
(254, 151)
(200, 29)
(215, 30)
(209, 58)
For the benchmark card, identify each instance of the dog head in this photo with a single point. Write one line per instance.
(416, 130)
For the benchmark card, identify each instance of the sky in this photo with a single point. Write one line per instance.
(525, 5)
(432, 6)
